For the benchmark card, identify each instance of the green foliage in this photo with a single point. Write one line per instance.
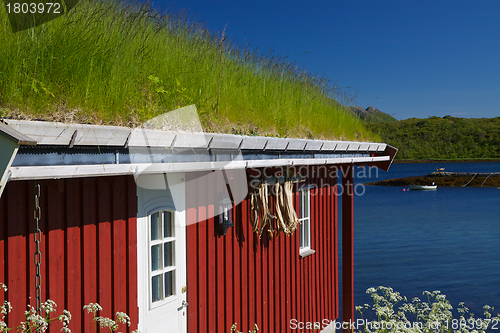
(117, 63)
(442, 138)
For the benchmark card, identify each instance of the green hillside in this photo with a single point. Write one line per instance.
(371, 114)
(111, 63)
(442, 138)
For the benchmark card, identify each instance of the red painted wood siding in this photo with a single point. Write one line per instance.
(88, 246)
(238, 278)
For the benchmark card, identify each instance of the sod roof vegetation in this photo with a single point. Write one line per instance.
(109, 62)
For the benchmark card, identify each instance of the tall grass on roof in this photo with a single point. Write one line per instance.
(124, 63)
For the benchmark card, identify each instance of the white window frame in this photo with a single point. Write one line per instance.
(305, 222)
(162, 241)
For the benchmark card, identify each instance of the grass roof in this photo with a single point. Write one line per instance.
(119, 63)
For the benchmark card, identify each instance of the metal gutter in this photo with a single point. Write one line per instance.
(78, 171)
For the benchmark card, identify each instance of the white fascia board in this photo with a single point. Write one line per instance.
(101, 135)
(373, 147)
(254, 142)
(342, 146)
(78, 171)
(43, 132)
(141, 137)
(225, 141)
(353, 146)
(329, 146)
(47, 133)
(296, 144)
(364, 146)
(276, 144)
(314, 145)
(192, 140)
(70, 171)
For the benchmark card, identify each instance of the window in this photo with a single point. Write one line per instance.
(162, 256)
(305, 222)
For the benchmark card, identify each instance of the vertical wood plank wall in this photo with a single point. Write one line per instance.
(88, 247)
(238, 278)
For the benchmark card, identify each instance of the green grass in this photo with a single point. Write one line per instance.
(116, 63)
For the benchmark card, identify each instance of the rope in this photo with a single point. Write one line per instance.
(470, 180)
(486, 179)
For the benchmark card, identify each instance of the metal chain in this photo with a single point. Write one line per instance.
(38, 255)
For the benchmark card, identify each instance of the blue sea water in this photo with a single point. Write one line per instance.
(446, 240)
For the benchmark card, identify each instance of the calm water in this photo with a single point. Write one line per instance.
(447, 240)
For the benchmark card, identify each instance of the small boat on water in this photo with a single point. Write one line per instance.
(440, 169)
(423, 187)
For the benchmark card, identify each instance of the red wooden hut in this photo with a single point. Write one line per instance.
(160, 225)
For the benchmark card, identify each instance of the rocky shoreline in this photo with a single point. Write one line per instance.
(441, 178)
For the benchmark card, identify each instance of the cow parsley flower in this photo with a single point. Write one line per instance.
(106, 322)
(92, 308)
(65, 318)
(48, 306)
(123, 318)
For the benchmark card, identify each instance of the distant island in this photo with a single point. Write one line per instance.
(435, 138)
(457, 179)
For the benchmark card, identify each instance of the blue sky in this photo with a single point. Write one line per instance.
(406, 58)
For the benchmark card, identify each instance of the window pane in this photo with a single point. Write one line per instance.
(306, 203)
(156, 257)
(170, 283)
(168, 225)
(301, 233)
(155, 226)
(156, 288)
(306, 233)
(301, 204)
(168, 254)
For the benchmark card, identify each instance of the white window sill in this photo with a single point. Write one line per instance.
(306, 252)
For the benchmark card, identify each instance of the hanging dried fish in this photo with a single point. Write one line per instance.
(256, 209)
(285, 221)
(290, 214)
(262, 218)
(280, 207)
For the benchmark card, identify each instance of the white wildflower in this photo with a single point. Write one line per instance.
(3, 286)
(123, 318)
(65, 318)
(49, 306)
(106, 322)
(5, 309)
(92, 308)
(34, 320)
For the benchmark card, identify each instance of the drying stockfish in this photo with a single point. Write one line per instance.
(262, 217)
(281, 225)
(290, 215)
(286, 219)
